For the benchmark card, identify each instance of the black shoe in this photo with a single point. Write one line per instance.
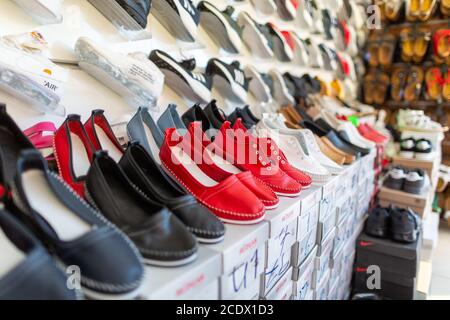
(239, 113)
(77, 234)
(137, 9)
(378, 222)
(395, 178)
(215, 115)
(405, 225)
(283, 52)
(171, 119)
(195, 114)
(229, 79)
(179, 17)
(180, 77)
(160, 236)
(144, 173)
(416, 182)
(32, 274)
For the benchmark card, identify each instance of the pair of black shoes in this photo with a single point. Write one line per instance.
(400, 225)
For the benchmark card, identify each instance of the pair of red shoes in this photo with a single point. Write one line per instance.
(237, 187)
(75, 144)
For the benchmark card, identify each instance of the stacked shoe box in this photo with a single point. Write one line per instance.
(197, 281)
(282, 223)
(243, 256)
(322, 269)
(386, 267)
(304, 251)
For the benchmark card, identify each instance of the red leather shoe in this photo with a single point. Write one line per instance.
(102, 136)
(73, 153)
(223, 169)
(229, 199)
(241, 149)
(376, 132)
(366, 133)
(277, 156)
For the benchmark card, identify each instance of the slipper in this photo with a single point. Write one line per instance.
(445, 7)
(434, 83)
(427, 9)
(446, 87)
(408, 41)
(414, 84)
(387, 49)
(398, 81)
(421, 46)
(393, 9)
(381, 88)
(441, 43)
(413, 9)
(372, 49)
(369, 86)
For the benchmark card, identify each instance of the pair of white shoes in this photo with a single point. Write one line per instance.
(416, 120)
(300, 148)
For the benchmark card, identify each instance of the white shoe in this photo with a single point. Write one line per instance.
(255, 36)
(257, 87)
(32, 78)
(133, 76)
(44, 11)
(300, 51)
(305, 16)
(280, 91)
(315, 58)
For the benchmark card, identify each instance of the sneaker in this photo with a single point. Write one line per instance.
(405, 225)
(258, 87)
(301, 55)
(44, 11)
(256, 36)
(378, 223)
(407, 148)
(424, 150)
(280, 91)
(287, 9)
(416, 182)
(230, 79)
(119, 11)
(133, 76)
(180, 77)
(281, 48)
(179, 17)
(305, 15)
(266, 7)
(395, 178)
(221, 27)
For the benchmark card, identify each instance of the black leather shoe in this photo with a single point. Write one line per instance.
(161, 237)
(378, 222)
(77, 234)
(405, 225)
(215, 115)
(144, 173)
(28, 272)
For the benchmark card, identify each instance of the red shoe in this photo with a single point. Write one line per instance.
(242, 150)
(229, 199)
(73, 153)
(366, 133)
(221, 169)
(277, 156)
(102, 136)
(376, 132)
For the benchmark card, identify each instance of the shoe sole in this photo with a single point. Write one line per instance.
(289, 195)
(41, 12)
(103, 296)
(272, 207)
(210, 241)
(238, 222)
(171, 21)
(170, 264)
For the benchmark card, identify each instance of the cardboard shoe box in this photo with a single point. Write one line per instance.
(309, 211)
(333, 293)
(304, 276)
(322, 289)
(194, 281)
(323, 258)
(283, 289)
(302, 249)
(243, 254)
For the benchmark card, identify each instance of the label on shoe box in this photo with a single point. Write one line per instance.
(302, 249)
(282, 289)
(321, 292)
(329, 190)
(279, 254)
(210, 292)
(304, 276)
(324, 256)
(286, 214)
(183, 282)
(243, 275)
(326, 225)
(309, 211)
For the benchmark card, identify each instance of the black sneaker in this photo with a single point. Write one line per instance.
(229, 78)
(407, 148)
(416, 182)
(215, 115)
(378, 222)
(238, 113)
(179, 17)
(137, 9)
(424, 150)
(395, 178)
(195, 114)
(180, 76)
(221, 27)
(405, 225)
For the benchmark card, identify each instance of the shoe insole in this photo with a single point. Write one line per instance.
(67, 225)
(80, 158)
(193, 168)
(152, 143)
(11, 255)
(222, 163)
(108, 145)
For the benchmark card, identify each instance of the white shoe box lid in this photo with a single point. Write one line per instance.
(210, 292)
(302, 248)
(183, 282)
(283, 289)
(329, 191)
(309, 211)
(287, 212)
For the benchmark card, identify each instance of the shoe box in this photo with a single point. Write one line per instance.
(323, 259)
(282, 289)
(327, 211)
(243, 255)
(303, 277)
(333, 293)
(282, 224)
(323, 288)
(430, 227)
(420, 204)
(199, 279)
(347, 262)
(398, 264)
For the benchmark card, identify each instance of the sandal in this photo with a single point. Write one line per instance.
(369, 87)
(427, 9)
(381, 88)
(414, 84)
(434, 83)
(387, 50)
(413, 9)
(372, 49)
(393, 9)
(421, 46)
(408, 41)
(398, 81)
(41, 136)
(446, 87)
(441, 43)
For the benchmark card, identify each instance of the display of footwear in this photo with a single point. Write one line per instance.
(74, 232)
(378, 223)
(395, 178)
(160, 236)
(120, 11)
(44, 11)
(228, 199)
(230, 79)
(221, 26)
(256, 36)
(133, 76)
(180, 77)
(179, 17)
(27, 271)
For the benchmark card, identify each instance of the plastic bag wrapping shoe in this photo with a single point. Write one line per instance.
(133, 76)
(43, 11)
(32, 78)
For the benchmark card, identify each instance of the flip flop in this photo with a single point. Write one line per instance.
(381, 88)
(441, 43)
(398, 80)
(372, 48)
(387, 49)
(427, 9)
(393, 9)
(421, 46)
(408, 41)
(413, 9)
(414, 83)
(434, 83)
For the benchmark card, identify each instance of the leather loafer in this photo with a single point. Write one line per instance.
(77, 234)
(161, 238)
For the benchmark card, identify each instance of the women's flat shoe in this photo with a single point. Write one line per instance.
(27, 271)
(144, 172)
(161, 238)
(229, 199)
(73, 152)
(74, 232)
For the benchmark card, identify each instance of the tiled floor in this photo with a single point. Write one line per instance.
(440, 281)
